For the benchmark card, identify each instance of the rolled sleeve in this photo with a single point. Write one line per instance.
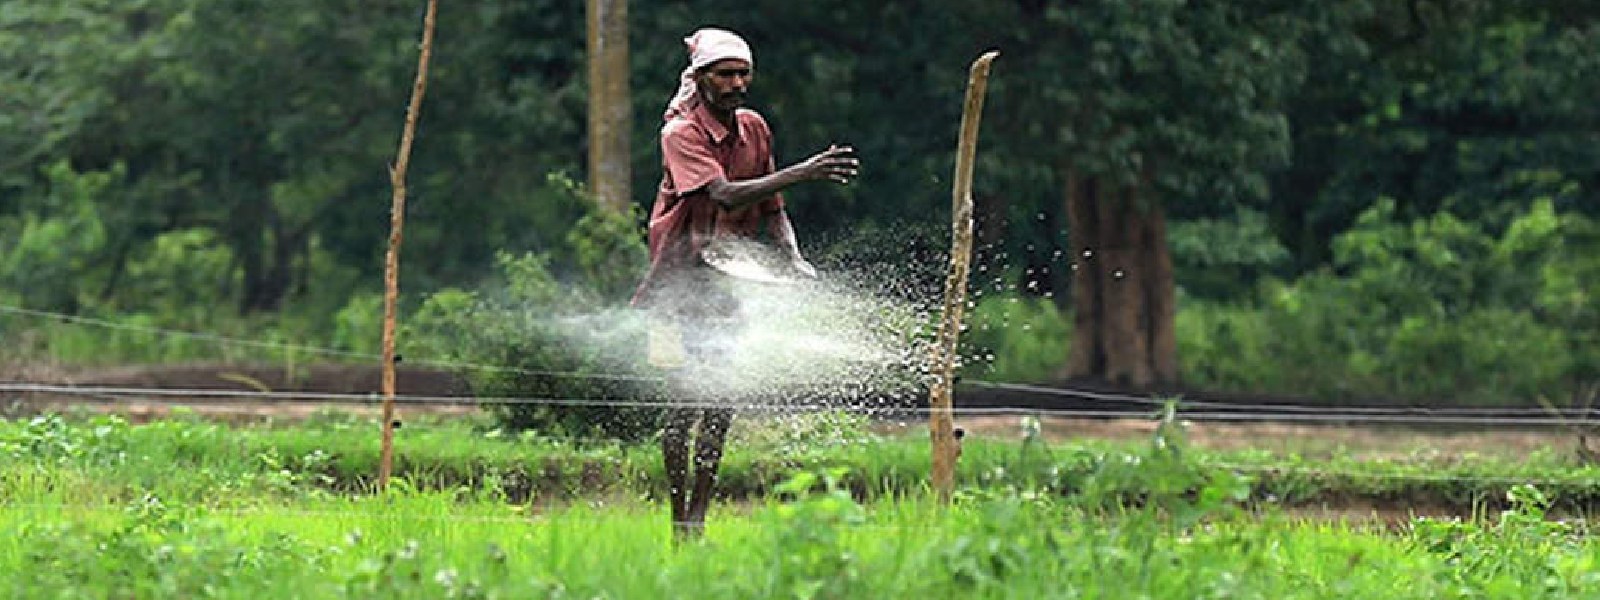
(686, 154)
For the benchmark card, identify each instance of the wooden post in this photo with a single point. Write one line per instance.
(941, 422)
(610, 108)
(391, 265)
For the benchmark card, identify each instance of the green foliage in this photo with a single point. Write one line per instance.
(140, 558)
(1435, 309)
(1212, 257)
(1162, 479)
(163, 158)
(1471, 107)
(431, 546)
(177, 273)
(1188, 94)
(609, 257)
(1016, 338)
(996, 551)
(57, 239)
(537, 336)
(811, 560)
(358, 326)
(1569, 284)
(166, 514)
(268, 139)
(51, 439)
(262, 122)
(1522, 542)
(52, 459)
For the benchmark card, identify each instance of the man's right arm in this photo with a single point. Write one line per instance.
(837, 163)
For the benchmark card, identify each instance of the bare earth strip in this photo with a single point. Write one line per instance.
(1366, 441)
(1355, 441)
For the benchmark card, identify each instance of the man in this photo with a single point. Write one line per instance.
(719, 182)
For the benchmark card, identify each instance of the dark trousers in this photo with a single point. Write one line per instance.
(691, 491)
(694, 436)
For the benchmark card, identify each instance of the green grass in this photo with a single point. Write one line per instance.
(185, 508)
(340, 454)
(435, 545)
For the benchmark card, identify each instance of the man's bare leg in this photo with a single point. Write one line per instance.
(675, 456)
(707, 459)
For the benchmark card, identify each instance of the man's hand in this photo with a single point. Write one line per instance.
(837, 163)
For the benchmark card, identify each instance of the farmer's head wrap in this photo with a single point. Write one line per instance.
(706, 46)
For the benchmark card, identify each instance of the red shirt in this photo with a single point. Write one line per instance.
(697, 149)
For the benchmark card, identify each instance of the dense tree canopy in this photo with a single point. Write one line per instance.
(161, 154)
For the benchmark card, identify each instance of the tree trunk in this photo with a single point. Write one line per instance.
(1162, 300)
(1122, 290)
(1122, 307)
(1087, 358)
(280, 275)
(610, 108)
(266, 254)
(248, 223)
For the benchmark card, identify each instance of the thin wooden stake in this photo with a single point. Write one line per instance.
(391, 266)
(941, 422)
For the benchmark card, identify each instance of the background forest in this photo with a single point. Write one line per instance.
(1361, 199)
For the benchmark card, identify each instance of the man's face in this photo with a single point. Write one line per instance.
(724, 83)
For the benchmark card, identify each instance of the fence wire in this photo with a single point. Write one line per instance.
(307, 349)
(1238, 413)
(1192, 410)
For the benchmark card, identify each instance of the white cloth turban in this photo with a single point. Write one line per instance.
(706, 46)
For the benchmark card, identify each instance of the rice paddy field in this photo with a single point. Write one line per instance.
(817, 506)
